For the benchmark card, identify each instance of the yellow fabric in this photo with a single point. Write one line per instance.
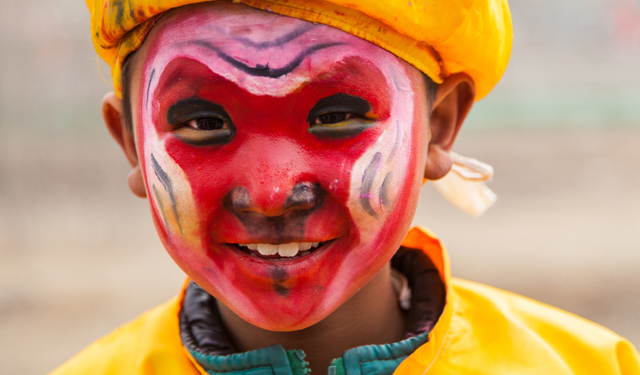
(483, 330)
(439, 37)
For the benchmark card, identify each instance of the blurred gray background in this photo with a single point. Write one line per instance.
(79, 255)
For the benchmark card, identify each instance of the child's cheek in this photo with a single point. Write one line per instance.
(384, 172)
(373, 176)
(171, 195)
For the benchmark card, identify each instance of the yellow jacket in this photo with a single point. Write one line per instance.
(482, 330)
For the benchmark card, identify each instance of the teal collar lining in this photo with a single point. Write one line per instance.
(275, 360)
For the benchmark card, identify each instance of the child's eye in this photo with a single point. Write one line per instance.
(333, 117)
(200, 122)
(340, 116)
(208, 123)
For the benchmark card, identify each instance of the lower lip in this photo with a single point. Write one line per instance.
(295, 266)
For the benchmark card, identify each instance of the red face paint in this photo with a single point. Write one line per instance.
(262, 134)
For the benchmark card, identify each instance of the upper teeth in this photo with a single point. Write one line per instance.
(284, 249)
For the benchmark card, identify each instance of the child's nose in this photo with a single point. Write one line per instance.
(272, 202)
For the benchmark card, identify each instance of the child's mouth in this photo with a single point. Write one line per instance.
(284, 251)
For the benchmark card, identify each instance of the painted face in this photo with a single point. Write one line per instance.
(282, 159)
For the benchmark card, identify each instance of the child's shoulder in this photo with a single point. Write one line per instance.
(509, 333)
(150, 344)
(491, 331)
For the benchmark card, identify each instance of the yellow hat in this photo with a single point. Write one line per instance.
(439, 37)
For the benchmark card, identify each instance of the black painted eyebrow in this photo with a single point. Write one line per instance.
(341, 102)
(192, 108)
(265, 70)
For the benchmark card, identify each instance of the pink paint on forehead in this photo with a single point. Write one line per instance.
(237, 47)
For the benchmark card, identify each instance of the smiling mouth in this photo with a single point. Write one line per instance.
(284, 251)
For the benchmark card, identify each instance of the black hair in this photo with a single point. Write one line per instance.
(125, 76)
(125, 80)
(431, 88)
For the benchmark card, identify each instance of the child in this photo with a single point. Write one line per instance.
(283, 161)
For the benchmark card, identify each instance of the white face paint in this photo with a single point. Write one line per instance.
(379, 173)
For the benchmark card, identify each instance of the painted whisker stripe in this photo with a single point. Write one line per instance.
(166, 183)
(396, 143)
(385, 200)
(161, 204)
(367, 183)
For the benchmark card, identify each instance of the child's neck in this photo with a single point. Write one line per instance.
(371, 316)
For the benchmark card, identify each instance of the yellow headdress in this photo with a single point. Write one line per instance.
(439, 37)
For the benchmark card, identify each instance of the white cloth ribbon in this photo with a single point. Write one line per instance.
(464, 185)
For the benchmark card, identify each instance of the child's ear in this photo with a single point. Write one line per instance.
(453, 101)
(112, 115)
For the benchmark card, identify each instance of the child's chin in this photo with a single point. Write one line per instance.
(284, 323)
(281, 314)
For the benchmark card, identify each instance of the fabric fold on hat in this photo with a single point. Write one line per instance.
(438, 37)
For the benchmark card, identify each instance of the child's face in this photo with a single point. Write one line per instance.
(255, 130)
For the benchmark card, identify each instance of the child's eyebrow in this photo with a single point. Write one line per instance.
(265, 70)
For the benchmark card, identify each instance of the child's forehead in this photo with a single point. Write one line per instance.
(230, 25)
(238, 22)
(260, 50)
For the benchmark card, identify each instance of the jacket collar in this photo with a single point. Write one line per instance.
(421, 259)
(426, 355)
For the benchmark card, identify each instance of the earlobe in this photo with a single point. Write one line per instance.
(113, 119)
(136, 182)
(454, 99)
